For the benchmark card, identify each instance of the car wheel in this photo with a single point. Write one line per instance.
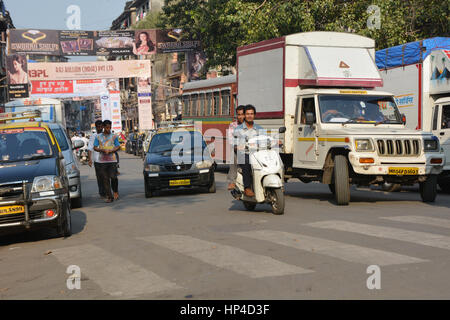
(212, 187)
(148, 191)
(64, 228)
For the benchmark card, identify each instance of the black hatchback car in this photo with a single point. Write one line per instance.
(34, 188)
(176, 160)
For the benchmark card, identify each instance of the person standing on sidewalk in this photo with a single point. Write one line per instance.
(232, 172)
(107, 145)
(94, 157)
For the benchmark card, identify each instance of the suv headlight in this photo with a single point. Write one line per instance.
(363, 145)
(46, 183)
(152, 168)
(431, 144)
(206, 164)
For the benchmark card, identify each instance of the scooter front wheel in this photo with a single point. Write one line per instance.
(276, 198)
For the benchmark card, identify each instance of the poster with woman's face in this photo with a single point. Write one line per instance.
(144, 84)
(17, 73)
(196, 64)
(144, 42)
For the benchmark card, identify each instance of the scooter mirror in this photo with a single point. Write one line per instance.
(282, 130)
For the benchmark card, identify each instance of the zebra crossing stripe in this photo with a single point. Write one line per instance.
(116, 276)
(422, 238)
(347, 252)
(430, 221)
(226, 257)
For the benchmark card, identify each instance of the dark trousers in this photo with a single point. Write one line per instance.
(108, 176)
(247, 176)
(101, 189)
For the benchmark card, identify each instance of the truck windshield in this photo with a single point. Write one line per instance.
(23, 144)
(358, 109)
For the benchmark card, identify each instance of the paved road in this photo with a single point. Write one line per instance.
(206, 246)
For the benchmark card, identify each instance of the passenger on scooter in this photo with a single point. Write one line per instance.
(244, 132)
(232, 172)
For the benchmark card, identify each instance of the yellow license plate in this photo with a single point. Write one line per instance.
(185, 182)
(404, 171)
(11, 210)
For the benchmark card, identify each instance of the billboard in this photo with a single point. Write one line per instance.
(77, 43)
(175, 40)
(196, 61)
(34, 41)
(89, 70)
(73, 88)
(100, 43)
(145, 104)
(17, 74)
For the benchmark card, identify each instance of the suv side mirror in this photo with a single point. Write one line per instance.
(282, 130)
(403, 119)
(309, 117)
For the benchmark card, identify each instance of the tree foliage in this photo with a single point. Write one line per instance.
(223, 25)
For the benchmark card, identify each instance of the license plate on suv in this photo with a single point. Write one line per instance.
(404, 171)
(11, 210)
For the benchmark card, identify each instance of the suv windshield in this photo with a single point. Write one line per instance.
(358, 109)
(186, 140)
(24, 144)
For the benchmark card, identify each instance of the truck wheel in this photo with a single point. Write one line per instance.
(250, 206)
(64, 228)
(391, 187)
(445, 186)
(276, 197)
(341, 180)
(428, 189)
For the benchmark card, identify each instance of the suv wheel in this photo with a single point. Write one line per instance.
(148, 191)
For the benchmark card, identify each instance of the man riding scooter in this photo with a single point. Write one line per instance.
(232, 172)
(247, 130)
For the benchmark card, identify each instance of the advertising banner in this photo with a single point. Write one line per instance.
(34, 41)
(145, 104)
(174, 40)
(89, 70)
(17, 68)
(77, 43)
(114, 43)
(196, 65)
(116, 117)
(72, 88)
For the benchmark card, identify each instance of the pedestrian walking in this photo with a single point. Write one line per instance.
(94, 157)
(106, 143)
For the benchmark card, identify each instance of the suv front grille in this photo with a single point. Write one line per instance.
(398, 147)
(11, 191)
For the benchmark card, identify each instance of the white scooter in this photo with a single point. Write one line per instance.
(267, 172)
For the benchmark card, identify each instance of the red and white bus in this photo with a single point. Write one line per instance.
(211, 102)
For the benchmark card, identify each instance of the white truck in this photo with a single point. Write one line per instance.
(339, 130)
(418, 73)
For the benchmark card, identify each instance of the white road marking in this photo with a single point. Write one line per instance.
(347, 252)
(226, 257)
(115, 275)
(422, 238)
(436, 222)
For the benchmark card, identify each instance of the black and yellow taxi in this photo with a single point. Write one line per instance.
(34, 188)
(178, 158)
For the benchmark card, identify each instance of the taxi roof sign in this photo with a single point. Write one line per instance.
(11, 116)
